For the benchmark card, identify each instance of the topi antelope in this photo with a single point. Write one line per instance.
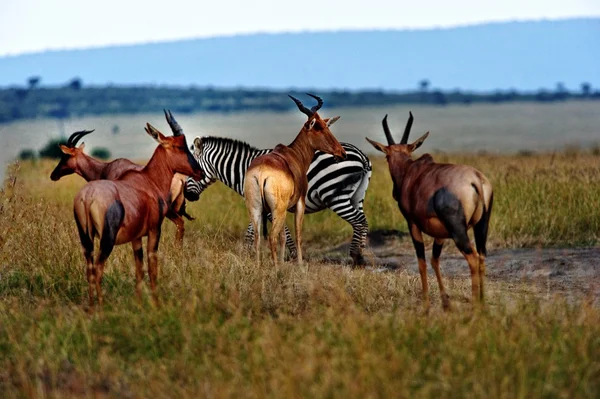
(277, 181)
(132, 207)
(74, 160)
(443, 201)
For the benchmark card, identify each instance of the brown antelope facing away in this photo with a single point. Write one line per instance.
(277, 181)
(132, 207)
(75, 160)
(442, 201)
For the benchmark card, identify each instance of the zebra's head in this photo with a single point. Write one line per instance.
(69, 162)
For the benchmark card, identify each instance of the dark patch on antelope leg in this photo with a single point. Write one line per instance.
(183, 212)
(450, 211)
(171, 214)
(419, 246)
(480, 230)
(139, 254)
(86, 241)
(437, 250)
(112, 221)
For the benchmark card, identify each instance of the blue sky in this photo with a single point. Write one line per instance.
(36, 25)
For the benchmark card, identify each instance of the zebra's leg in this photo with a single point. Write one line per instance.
(360, 227)
(289, 243)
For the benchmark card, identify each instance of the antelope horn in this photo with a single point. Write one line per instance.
(175, 128)
(407, 129)
(319, 105)
(75, 137)
(386, 130)
(301, 107)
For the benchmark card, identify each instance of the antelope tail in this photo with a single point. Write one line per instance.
(264, 213)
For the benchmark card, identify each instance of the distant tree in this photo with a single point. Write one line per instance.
(33, 82)
(21, 94)
(59, 113)
(52, 149)
(424, 85)
(586, 89)
(75, 84)
(115, 129)
(100, 153)
(561, 91)
(543, 95)
(27, 154)
(439, 98)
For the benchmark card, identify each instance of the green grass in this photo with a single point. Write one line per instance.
(229, 327)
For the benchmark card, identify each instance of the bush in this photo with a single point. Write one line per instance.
(100, 153)
(27, 154)
(51, 149)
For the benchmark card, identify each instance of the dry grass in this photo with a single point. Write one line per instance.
(228, 327)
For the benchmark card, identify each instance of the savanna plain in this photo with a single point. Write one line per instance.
(228, 327)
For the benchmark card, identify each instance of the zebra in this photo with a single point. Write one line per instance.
(339, 186)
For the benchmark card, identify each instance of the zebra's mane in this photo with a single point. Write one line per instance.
(236, 144)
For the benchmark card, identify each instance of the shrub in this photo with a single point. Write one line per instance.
(27, 154)
(51, 149)
(100, 153)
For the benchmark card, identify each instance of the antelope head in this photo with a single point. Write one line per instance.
(316, 129)
(399, 151)
(68, 163)
(179, 158)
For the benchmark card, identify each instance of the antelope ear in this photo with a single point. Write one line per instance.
(82, 146)
(156, 135)
(65, 149)
(331, 121)
(378, 146)
(418, 143)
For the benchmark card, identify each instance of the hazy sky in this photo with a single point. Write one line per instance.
(34, 25)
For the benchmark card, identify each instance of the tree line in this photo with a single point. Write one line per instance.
(73, 99)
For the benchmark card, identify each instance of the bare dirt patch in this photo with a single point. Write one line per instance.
(572, 272)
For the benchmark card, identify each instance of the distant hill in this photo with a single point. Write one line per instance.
(520, 55)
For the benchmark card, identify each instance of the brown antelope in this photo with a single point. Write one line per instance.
(277, 181)
(132, 207)
(443, 201)
(75, 160)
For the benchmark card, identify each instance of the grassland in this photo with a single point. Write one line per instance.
(229, 327)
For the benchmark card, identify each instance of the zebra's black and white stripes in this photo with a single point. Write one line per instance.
(340, 186)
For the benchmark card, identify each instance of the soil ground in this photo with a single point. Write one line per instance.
(569, 272)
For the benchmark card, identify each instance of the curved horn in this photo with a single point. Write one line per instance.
(319, 105)
(75, 137)
(407, 129)
(386, 130)
(175, 128)
(301, 107)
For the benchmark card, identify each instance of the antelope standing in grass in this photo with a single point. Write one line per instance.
(277, 181)
(443, 201)
(132, 207)
(75, 160)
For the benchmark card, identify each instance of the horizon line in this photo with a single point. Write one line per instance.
(437, 27)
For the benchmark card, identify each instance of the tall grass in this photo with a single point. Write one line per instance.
(229, 327)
